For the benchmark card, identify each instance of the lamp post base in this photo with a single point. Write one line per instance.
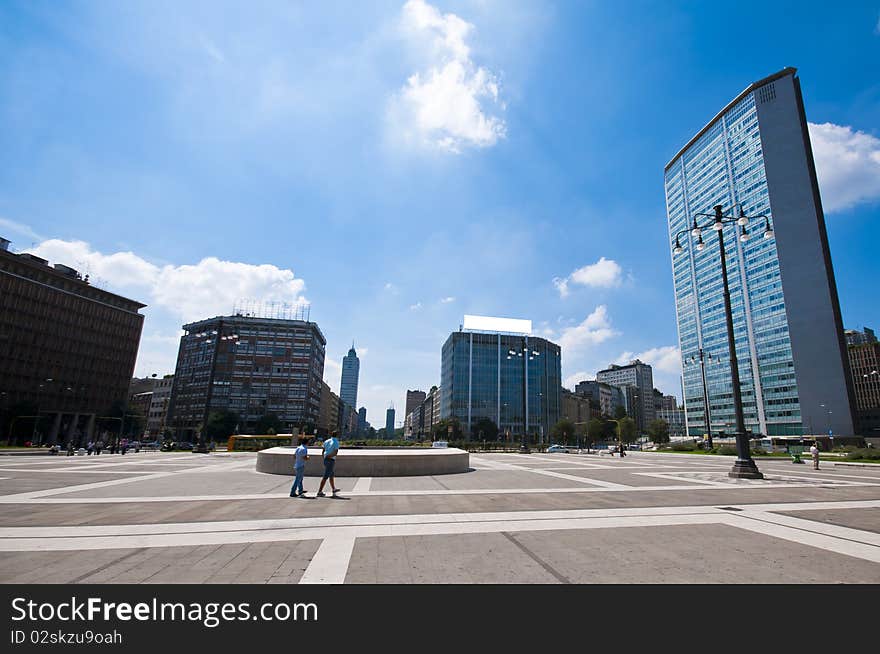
(745, 469)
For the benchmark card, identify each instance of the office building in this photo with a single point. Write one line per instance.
(575, 408)
(389, 423)
(157, 415)
(362, 421)
(348, 388)
(480, 378)
(67, 349)
(864, 361)
(755, 157)
(604, 398)
(252, 366)
(637, 381)
(856, 337)
(413, 399)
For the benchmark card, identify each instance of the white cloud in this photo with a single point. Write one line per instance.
(605, 273)
(443, 106)
(847, 165)
(415, 307)
(572, 380)
(10, 228)
(391, 288)
(447, 300)
(595, 329)
(190, 292)
(665, 359)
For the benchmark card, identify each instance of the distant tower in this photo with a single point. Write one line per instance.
(362, 421)
(348, 389)
(389, 422)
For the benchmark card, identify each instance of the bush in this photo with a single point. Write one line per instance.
(683, 447)
(727, 450)
(870, 454)
(758, 451)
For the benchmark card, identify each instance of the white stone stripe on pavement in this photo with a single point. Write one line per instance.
(137, 499)
(330, 563)
(363, 485)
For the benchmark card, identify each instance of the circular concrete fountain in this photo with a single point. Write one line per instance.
(370, 462)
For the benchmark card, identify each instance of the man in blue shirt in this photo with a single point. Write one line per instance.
(299, 467)
(331, 447)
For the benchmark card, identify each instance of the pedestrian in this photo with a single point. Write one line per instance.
(89, 447)
(70, 447)
(331, 447)
(622, 451)
(299, 466)
(99, 446)
(123, 445)
(814, 452)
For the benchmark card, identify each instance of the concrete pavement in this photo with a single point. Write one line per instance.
(538, 518)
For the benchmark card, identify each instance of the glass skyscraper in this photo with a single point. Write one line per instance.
(480, 379)
(755, 155)
(348, 388)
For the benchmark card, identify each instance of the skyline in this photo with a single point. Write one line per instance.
(343, 129)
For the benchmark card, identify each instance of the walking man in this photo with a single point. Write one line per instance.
(331, 447)
(814, 452)
(299, 466)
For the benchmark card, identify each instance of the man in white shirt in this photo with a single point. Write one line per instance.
(331, 447)
(814, 452)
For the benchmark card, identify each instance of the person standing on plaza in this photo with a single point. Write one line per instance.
(299, 466)
(99, 446)
(814, 452)
(331, 447)
(89, 447)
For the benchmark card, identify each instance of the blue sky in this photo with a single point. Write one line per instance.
(401, 164)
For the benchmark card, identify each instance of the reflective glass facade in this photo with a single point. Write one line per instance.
(726, 165)
(481, 379)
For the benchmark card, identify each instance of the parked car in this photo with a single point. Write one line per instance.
(183, 445)
(559, 448)
(151, 445)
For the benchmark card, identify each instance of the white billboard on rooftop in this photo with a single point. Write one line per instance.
(492, 324)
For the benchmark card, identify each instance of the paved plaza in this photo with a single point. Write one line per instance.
(512, 518)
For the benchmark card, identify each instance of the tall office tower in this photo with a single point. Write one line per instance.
(637, 380)
(348, 389)
(413, 399)
(67, 350)
(362, 421)
(480, 378)
(389, 423)
(755, 156)
(250, 365)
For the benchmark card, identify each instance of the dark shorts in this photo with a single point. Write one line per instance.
(329, 465)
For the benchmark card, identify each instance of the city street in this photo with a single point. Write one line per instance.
(538, 518)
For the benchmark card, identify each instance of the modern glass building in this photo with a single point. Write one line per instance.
(755, 156)
(348, 388)
(481, 379)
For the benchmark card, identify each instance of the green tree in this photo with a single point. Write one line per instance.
(562, 431)
(440, 431)
(266, 422)
(628, 430)
(619, 412)
(658, 429)
(485, 429)
(596, 430)
(221, 424)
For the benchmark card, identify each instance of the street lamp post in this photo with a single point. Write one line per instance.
(706, 411)
(214, 337)
(744, 467)
(526, 355)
